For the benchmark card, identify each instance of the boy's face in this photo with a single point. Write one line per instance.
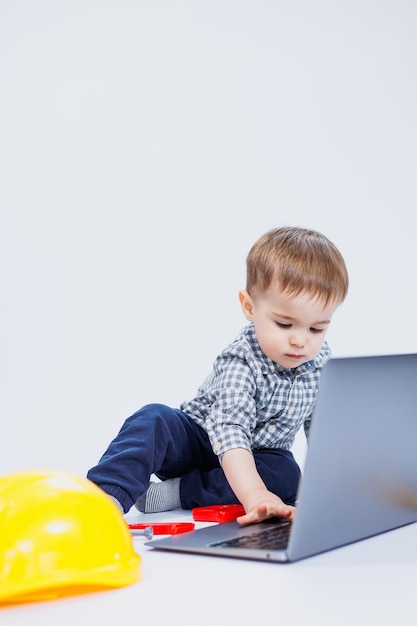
(290, 330)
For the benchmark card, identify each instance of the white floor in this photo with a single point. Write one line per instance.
(370, 582)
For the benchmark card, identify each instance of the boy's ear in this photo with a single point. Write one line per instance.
(247, 305)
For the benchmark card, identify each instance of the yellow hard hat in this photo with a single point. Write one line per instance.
(60, 535)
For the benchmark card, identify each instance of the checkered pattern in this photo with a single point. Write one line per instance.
(250, 402)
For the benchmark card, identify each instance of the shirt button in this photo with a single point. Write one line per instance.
(290, 410)
(272, 428)
(216, 447)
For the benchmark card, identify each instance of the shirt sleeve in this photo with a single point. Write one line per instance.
(232, 415)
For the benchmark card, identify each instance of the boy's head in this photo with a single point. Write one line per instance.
(296, 278)
(295, 261)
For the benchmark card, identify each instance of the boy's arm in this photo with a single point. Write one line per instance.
(240, 470)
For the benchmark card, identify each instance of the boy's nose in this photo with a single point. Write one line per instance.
(297, 341)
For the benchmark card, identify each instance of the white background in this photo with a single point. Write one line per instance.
(144, 146)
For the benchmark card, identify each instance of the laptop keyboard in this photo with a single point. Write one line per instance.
(275, 538)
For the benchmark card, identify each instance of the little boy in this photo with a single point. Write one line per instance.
(232, 442)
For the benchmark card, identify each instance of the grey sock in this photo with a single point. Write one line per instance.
(117, 503)
(163, 496)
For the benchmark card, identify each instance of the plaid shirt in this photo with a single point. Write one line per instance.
(248, 401)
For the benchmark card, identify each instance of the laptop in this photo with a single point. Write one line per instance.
(360, 473)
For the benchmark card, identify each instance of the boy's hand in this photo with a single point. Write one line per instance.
(259, 503)
(264, 505)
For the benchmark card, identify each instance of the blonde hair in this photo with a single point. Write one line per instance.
(299, 261)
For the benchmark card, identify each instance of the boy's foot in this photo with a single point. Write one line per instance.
(117, 503)
(161, 496)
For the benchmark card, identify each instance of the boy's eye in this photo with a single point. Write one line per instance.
(317, 330)
(282, 325)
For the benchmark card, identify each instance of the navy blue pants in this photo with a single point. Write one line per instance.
(168, 443)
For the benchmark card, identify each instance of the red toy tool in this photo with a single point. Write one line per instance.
(164, 528)
(218, 513)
